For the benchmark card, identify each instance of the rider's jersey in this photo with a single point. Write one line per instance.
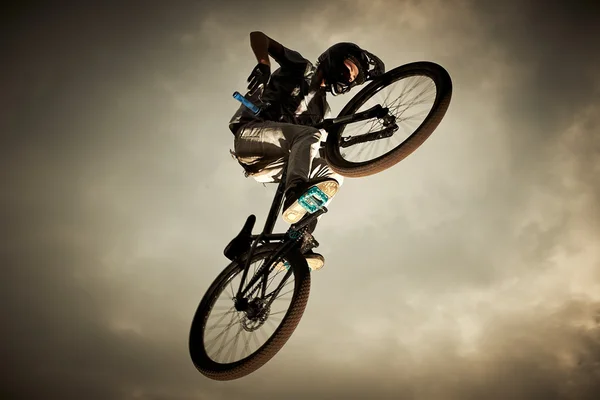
(288, 92)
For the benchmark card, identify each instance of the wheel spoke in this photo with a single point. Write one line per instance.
(226, 343)
(225, 326)
(255, 336)
(416, 93)
(230, 335)
(272, 324)
(225, 314)
(283, 294)
(231, 288)
(223, 307)
(234, 347)
(284, 285)
(272, 278)
(246, 343)
(226, 332)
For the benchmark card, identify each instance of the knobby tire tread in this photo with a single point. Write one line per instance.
(241, 368)
(416, 139)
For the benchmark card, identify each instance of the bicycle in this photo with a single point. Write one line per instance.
(249, 300)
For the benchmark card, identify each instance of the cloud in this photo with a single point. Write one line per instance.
(468, 271)
(527, 355)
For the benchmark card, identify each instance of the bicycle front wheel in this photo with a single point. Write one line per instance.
(417, 96)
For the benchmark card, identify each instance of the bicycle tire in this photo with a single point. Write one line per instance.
(249, 364)
(443, 84)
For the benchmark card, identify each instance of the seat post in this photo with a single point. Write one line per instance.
(276, 205)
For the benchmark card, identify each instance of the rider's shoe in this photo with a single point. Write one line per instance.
(293, 211)
(314, 260)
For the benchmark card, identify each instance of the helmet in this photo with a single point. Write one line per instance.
(336, 74)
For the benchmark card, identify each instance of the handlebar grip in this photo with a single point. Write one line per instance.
(249, 105)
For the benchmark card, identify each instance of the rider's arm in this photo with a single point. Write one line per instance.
(263, 47)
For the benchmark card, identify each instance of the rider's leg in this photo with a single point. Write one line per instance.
(320, 171)
(272, 140)
(321, 177)
(259, 142)
(299, 145)
(269, 140)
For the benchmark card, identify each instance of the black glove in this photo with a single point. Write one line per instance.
(260, 76)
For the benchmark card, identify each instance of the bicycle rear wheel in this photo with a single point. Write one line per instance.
(417, 96)
(227, 344)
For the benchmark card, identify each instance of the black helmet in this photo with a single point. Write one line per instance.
(336, 74)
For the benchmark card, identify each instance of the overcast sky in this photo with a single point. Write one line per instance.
(471, 270)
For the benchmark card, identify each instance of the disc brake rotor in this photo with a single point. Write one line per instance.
(256, 316)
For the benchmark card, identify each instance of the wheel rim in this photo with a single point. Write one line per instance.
(229, 335)
(410, 99)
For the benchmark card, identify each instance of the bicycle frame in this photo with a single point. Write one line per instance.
(292, 237)
(289, 240)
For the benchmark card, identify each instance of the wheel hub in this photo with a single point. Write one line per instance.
(256, 314)
(388, 120)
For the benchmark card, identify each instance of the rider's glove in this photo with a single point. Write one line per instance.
(259, 77)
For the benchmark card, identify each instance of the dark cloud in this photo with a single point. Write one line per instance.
(531, 356)
(550, 355)
(549, 45)
(552, 43)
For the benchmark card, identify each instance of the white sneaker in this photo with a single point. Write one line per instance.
(315, 262)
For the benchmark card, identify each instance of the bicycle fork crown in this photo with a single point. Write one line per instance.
(313, 199)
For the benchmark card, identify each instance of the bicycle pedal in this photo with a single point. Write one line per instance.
(313, 199)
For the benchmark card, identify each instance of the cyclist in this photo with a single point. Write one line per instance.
(293, 100)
